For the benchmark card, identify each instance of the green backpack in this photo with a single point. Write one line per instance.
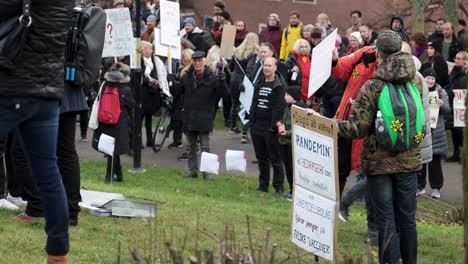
(399, 125)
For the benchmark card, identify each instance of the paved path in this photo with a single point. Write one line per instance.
(220, 141)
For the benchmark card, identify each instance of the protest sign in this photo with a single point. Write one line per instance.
(316, 193)
(163, 50)
(320, 68)
(243, 115)
(459, 107)
(119, 34)
(236, 161)
(434, 108)
(246, 96)
(313, 227)
(227, 41)
(106, 144)
(170, 23)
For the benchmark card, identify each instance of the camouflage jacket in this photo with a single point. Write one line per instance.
(375, 160)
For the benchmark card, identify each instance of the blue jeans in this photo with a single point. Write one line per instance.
(37, 121)
(394, 197)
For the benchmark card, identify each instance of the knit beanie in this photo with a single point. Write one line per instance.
(388, 42)
(209, 21)
(275, 16)
(357, 36)
(118, 2)
(429, 72)
(190, 20)
(295, 92)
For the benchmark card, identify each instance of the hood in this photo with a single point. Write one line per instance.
(122, 76)
(396, 68)
(197, 30)
(401, 21)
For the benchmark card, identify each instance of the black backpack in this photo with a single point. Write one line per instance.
(85, 42)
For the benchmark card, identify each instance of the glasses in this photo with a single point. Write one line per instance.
(458, 58)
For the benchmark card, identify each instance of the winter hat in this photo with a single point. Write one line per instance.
(431, 44)
(198, 55)
(118, 2)
(209, 21)
(224, 14)
(357, 36)
(151, 18)
(429, 72)
(275, 16)
(388, 42)
(190, 20)
(295, 92)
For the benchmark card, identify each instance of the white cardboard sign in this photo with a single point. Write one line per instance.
(434, 108)
(163, 50)
(246, 96)
(459, 107)
(236, 161)
(170, 23)
(119, 39)
(209, 163)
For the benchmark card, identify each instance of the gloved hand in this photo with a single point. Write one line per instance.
(241, 88)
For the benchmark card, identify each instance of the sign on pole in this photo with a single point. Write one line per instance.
(162, 49)
(170, 23)
(227, 41)
(459, 107)
(320, 68)
(316, 190)
(119, 34)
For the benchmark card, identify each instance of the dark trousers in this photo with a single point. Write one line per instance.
(457, 139)
(234, 116)
(149, 128)
(69, 162)
(227, 106)
(287, 158)
(37, 120)
(193, 137)
(176, 126)
(394, 200)
(344, 161)
(436, 176)
(267, 151)
(114, 168)
(84, 120)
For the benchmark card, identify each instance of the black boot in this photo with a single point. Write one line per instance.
(455, 157)
(108, 169)
(118, 169)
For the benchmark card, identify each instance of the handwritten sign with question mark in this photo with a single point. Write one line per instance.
(119, 33)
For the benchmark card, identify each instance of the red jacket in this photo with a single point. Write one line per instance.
(272, 35)
(356, 72)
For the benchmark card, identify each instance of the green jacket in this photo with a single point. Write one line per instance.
(398, 68)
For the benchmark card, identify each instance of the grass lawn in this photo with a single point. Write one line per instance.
(220, 202)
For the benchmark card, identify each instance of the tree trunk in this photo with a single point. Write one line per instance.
(451, 11)
(417, 14)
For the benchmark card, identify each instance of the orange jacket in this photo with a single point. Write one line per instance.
(356, 72)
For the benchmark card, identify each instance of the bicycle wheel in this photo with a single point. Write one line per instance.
(162, 131)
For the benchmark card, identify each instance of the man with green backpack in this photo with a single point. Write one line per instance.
(389, 115)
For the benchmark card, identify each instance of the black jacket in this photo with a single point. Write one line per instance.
(439, 65)
(39, 72)
(458, 80)
(372, 40)
(254, 66)
(290, 62)
(200, 97)
(237, 73)
(265, 121)
(151, 93)
(404, 35)
(196, 38)
(454, 48)
(120, 130)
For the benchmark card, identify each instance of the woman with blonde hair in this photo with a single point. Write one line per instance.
(298, 65)
(324, 21)
(216, 63)
(245, 53)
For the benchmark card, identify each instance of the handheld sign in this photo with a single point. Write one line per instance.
(209, 163)
(118, 40)
(106, 144)
(236, 161)
(434, 108)
(459, 107)
(227, 41)
(316, 194)
(163, 50)
(246, 96)
(170, 23)
(320, 68)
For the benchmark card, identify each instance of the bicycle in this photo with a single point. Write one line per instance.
(163, 127)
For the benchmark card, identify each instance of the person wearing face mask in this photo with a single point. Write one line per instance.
(439, 138)
(290, 35)
(272, 33)
(431, 58)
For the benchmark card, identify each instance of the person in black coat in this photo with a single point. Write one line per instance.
(151, 93)
(265, 113)
(431, 58)
(117, 78)
(200, 88)
(194, 34)
(29, 100)
(455, 45)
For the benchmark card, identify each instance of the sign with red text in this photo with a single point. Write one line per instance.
(459, 107)
(316, 191)
(434, 108)
(119, 39)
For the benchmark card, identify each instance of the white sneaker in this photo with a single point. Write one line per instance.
(421, 191)
(435, 194)
(5, 204)
(18, 201)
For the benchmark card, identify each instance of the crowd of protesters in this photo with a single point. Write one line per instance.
(277, 62)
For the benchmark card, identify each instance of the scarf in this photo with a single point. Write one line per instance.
(149, 66)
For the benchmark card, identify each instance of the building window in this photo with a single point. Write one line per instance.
(313, 2)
